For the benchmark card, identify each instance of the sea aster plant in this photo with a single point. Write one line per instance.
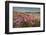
(20, 20)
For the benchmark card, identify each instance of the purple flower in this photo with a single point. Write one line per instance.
(28, 18)
(18, 20)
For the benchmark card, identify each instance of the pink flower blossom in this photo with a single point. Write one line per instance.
(19, 19)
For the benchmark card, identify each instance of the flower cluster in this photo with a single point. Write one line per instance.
(22, 19)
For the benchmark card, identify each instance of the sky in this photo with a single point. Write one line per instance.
(26, 9)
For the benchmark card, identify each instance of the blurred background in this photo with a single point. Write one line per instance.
(26, 11)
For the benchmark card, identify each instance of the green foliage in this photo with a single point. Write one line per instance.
(27, 24)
